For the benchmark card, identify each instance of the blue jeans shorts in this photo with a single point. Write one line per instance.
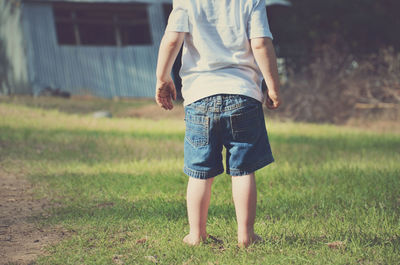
(234, 121)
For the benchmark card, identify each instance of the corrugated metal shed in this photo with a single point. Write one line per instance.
(267, 2)
(104, 71)
(13, 70)
(35, 60)
(106, 1)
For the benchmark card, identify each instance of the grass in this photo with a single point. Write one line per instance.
(119, 187)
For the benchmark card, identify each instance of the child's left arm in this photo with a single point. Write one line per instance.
(169, 49)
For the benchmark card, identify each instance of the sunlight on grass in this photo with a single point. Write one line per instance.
(118, 183)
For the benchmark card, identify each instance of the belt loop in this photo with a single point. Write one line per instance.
(219, 100)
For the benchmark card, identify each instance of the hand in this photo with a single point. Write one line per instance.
(165, 92)
(273, 100)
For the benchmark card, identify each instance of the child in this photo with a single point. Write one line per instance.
(227, 51)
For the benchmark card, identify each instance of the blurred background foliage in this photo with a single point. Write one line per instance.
(359, 27)
(341, 58)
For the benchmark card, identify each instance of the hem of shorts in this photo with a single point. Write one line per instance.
(202, 174)
(255, 167)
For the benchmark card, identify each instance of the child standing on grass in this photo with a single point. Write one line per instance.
(227, 51)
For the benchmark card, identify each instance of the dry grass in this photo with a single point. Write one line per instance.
(337, 87)
(381, 121)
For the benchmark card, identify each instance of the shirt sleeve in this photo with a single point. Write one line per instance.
(178, 20)
(258, 23)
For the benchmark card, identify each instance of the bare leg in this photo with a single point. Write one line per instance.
(198, 200)
(245, 198)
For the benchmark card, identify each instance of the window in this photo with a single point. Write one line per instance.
(102, 24)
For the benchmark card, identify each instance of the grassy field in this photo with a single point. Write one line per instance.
(331, 197)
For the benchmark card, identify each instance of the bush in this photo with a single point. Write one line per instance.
(334, 86)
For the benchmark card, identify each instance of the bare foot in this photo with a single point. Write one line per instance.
(194, 240)
(255, 239)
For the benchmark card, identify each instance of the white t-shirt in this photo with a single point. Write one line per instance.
(217, 57)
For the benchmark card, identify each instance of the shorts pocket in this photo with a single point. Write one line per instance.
(246, 125)
(197, 127)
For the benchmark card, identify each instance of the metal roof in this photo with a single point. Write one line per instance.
(267, 2)
(104, 1)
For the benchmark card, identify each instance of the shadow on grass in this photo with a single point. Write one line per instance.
(112, 199)
(96, 145)
(162, 212)
(76, 105)
(348, 142)
(154, 209)
(155, 195)
(344, 142)
(87, 146)
(28, 132)
(364, 239)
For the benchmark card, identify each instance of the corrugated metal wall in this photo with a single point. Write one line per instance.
(13, 70)
(101, 71)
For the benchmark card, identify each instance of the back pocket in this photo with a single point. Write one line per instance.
(197, 127)
(246, 125)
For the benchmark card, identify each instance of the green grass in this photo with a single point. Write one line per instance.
(119, 187)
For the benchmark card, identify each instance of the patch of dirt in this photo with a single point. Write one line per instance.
(21, 239)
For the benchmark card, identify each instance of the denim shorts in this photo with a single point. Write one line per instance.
(234, 121)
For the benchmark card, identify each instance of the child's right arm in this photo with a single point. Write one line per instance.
(169, 49)
(264, 53)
